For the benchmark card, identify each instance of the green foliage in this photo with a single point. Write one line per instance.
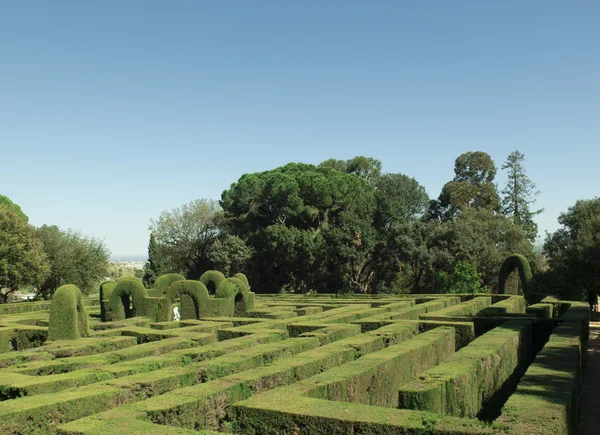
(7, 203)
(227, 290)
(518, 194)
(194, 297)
(309, 227)
(73, 259)
(22, 258)
(511, 263)
(463, 279)
(186, 235)
(229, 253)
(472, 187)
(573, 251)
(163, 282)
(68, 315)
(127, 299)
(399, 198)
(212, 279)
(243, 278)
(106, 289)
(158, 263)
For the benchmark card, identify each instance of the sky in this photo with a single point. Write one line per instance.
(113, 111)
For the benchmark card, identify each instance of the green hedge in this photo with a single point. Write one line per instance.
(106, 289)
(471, 378)
(243, 278)
(126, 288)
(193, 295)
(546, 401)
(68, 316)
(512, 262)
(162, 284)
(211, 279)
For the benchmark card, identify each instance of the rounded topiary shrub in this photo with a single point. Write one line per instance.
(243, 299)
(127, 299)
(193, 294)
(162, 284)
(68, 316)
(512, 262)
(212, 279)
(243, 278)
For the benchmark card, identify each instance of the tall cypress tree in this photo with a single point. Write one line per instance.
(518, 194)
(157, 265)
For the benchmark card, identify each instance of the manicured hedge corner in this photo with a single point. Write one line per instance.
(68, 316)
(211, 279)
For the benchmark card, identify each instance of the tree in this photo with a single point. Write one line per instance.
(518, 194)
(472, 187)
(309, 227)
(464, 278)
(22, 259)
(573, 251)
(186, 235)
(361, 166)
(73, 258)
(6, 202)
(399, 198)
(158, 263)
(229, 254)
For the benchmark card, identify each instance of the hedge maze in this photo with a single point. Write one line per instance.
(236, 364)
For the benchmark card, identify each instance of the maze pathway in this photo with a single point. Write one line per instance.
(418, 364)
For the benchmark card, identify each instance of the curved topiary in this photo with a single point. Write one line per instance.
(68, 316)
(512, 262)
(227, 290)
(242, 278)
(162, 284)
(106, 289)
(212, 279)
(236, 289)
(193, 294)
(127, 299)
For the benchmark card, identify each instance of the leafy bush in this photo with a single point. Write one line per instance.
(464, 278)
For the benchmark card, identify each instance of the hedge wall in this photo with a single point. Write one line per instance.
(68, 316)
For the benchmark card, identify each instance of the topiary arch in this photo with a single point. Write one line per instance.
(515, 261)
(193, 294)
(212, 279)
(106, 289)
(127, 299)
(68, 316)
(163, 282)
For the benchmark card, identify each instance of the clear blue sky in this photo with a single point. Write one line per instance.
(112, 111)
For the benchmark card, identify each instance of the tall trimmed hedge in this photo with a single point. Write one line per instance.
(68, 316)
(237, 290)
(162, 284)
(212, 279)
(106, 289)
(512, 262)
(193, 294)
(126, 289)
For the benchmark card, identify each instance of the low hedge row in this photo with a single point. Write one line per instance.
(470, 379)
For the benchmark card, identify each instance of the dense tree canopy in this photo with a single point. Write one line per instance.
(73, 259)
(573, 251)
(309, 227)
(22, 258)
(6, 202)
(186, 234)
